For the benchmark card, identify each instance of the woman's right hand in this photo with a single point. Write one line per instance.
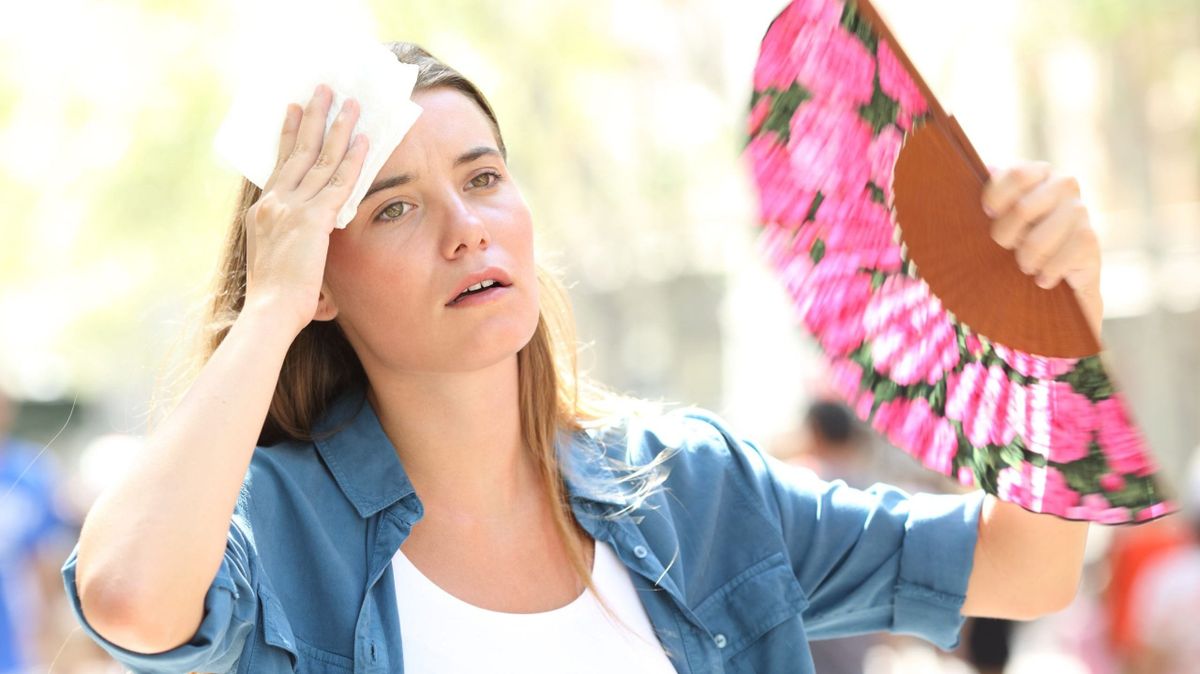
(288, 228)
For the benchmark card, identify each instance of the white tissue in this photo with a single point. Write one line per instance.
(362, 69)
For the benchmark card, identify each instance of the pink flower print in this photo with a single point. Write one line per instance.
(961, 388)
(1096, 508)
(827, 146)
(1156, 510)
(1119, 439)
(974, 346)
(989, 424)
(889, 414)
(1038, 489)
(758, 115)
(918, 430)
(1040, 367)
(979, 398)
(777, 61)
(831, 300)
(912, 338)
(862, 406)
(882, 154)
(1072, 423)
(826, 60)
(782, 199)
(845, 378)
(899, 85)
(1111, 482)
(815, 11)
(966, 476)
(1059, 422)
(861, 228)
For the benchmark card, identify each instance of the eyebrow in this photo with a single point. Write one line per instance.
(465, 158)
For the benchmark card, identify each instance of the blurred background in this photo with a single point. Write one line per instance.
(624, 120)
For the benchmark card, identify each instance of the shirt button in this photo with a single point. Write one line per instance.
(720, 640)
(640, 552)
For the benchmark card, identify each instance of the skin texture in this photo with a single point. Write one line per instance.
(1026, 564)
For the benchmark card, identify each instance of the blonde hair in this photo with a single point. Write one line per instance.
(321, 364)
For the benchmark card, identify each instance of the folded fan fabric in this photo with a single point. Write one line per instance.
(248, 139)
(869, 202)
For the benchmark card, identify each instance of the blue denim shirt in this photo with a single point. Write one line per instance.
(739, 560)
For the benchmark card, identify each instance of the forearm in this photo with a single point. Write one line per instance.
(1026, 564)
(153, 541)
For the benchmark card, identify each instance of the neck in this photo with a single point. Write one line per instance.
(459, 438)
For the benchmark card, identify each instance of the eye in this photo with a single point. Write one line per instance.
(395, 211)
(495, 178)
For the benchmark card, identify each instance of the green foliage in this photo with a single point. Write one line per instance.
(1089, 379)
(853, 22)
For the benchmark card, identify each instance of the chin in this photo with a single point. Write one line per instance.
(496, 340)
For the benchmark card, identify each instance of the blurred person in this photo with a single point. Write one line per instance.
(1132, 551)
(388, 437)
(989, 644)
(834, 444)
(1165, 599)
(30, 526)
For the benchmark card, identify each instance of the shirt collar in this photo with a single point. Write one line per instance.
(366, 467)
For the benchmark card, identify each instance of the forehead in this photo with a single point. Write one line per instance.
(450, 123)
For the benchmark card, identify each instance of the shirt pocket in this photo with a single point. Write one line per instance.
(751, 604)
(286, 652)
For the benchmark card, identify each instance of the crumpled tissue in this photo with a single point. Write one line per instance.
(248, 138)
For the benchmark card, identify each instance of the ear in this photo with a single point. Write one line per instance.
(326, 307)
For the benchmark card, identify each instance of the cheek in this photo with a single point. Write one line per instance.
(369, 281)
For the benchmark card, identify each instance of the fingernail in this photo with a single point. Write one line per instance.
(989, 212)
(1043, 282)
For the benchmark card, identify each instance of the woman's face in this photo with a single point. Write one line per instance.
(453, 216)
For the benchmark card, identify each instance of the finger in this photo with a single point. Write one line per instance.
(308, 139)
(1078, 261)
(1044, 239)
(287, 140)
(332, 151)
(1006, 187)
(341, 182)
(1013, 224)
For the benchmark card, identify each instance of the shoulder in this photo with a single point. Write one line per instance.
(696, 448)
(285, 481)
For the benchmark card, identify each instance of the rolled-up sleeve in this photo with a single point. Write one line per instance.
(879, 559)
(230, 613)
(868, 560)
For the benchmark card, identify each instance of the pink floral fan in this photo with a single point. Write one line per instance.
(870, 205)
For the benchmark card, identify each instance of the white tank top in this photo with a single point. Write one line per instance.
(446, 635)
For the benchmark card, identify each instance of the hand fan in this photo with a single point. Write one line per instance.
(870, 202)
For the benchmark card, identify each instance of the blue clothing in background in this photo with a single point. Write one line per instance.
(28, 518)
(739, 560)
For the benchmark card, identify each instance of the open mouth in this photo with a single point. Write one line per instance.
(477, 289)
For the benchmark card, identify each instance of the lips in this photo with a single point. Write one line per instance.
(496, 275)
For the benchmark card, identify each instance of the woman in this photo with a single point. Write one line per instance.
(430, 466)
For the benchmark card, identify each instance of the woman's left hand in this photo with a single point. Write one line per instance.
(1040, 216)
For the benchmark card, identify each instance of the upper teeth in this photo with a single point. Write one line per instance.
(481, 285)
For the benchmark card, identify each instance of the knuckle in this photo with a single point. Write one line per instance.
(323, 160)
(337, 179)
(269, 208)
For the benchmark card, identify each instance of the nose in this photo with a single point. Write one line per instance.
(464, 229)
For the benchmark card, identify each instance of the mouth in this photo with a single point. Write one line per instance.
(482, 288)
